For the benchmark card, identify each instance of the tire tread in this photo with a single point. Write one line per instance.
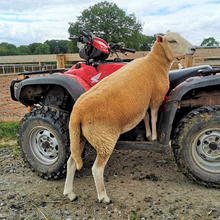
(57, 117)
(176, 146)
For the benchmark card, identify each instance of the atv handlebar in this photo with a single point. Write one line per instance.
(115, 47)
(84, 32)
(129, 50)
(86, 36)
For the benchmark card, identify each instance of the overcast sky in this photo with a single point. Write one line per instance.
(23, 21)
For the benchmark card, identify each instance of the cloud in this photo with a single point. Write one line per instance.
(23, 22)
(194, 23)
(37, 24)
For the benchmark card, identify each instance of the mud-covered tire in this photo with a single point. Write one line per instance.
(43, 137)
(196, 146)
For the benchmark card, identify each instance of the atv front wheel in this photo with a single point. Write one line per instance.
(196, 146)
(44, 140)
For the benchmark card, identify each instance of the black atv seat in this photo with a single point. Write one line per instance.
(178, 76)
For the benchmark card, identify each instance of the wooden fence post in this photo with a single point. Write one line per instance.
(60, 61)
(188, 62)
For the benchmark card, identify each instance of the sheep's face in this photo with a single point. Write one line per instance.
(175, 45)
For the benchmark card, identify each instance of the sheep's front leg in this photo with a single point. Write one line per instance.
(154, 112)
(147, 125)
(98, 174)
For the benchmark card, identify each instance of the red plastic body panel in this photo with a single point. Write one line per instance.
(101, 45)
(88, 76)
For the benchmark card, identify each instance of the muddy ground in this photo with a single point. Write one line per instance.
(9, 109)
(142, 185)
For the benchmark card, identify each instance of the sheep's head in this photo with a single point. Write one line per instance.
(175, 45)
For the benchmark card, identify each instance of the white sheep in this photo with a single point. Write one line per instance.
(117, 104)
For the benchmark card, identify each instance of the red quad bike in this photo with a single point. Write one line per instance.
(189, 118)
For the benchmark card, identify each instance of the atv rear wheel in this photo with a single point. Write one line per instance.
(196, 146)
(44, 140)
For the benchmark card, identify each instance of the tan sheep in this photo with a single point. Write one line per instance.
(117, 104)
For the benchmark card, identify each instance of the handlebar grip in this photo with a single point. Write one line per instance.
(129, 50)
(84, 33)
(86, 36)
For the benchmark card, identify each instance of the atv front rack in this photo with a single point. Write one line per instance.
(43, 71)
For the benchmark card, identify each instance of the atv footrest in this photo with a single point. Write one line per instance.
(141, 145)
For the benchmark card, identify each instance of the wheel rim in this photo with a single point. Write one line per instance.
(44, 145)
(206, 150)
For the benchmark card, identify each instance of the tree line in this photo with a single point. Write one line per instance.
(107, 21)
(48, 47)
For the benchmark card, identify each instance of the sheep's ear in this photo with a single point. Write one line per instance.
(159, 38)
(168, 32)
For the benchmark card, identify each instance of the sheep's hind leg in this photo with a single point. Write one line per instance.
(71, 169)
(68, 189)
(103, 138)
(98, 174)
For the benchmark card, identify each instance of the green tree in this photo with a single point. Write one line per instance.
(24, 50)
(33, 47)
(3, 51)
(10, 48)
(210, 41)
(57, 46)
(147, 42)
(39, 48)
(109, 22)
(42, 49)
(72, 47)
(63, 46)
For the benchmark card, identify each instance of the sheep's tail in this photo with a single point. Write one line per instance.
(75, 142)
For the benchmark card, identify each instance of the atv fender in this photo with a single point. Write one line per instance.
(169, 112)
(68, 83)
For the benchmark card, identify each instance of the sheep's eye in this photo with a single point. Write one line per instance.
(172, 41)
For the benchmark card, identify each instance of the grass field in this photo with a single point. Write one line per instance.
(8, 130)
(8, 135)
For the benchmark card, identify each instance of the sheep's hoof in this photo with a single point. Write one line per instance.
(71, 196)
(110, 202)
(105, 200)
(75, 199)
(148, 138)
(154, 138)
